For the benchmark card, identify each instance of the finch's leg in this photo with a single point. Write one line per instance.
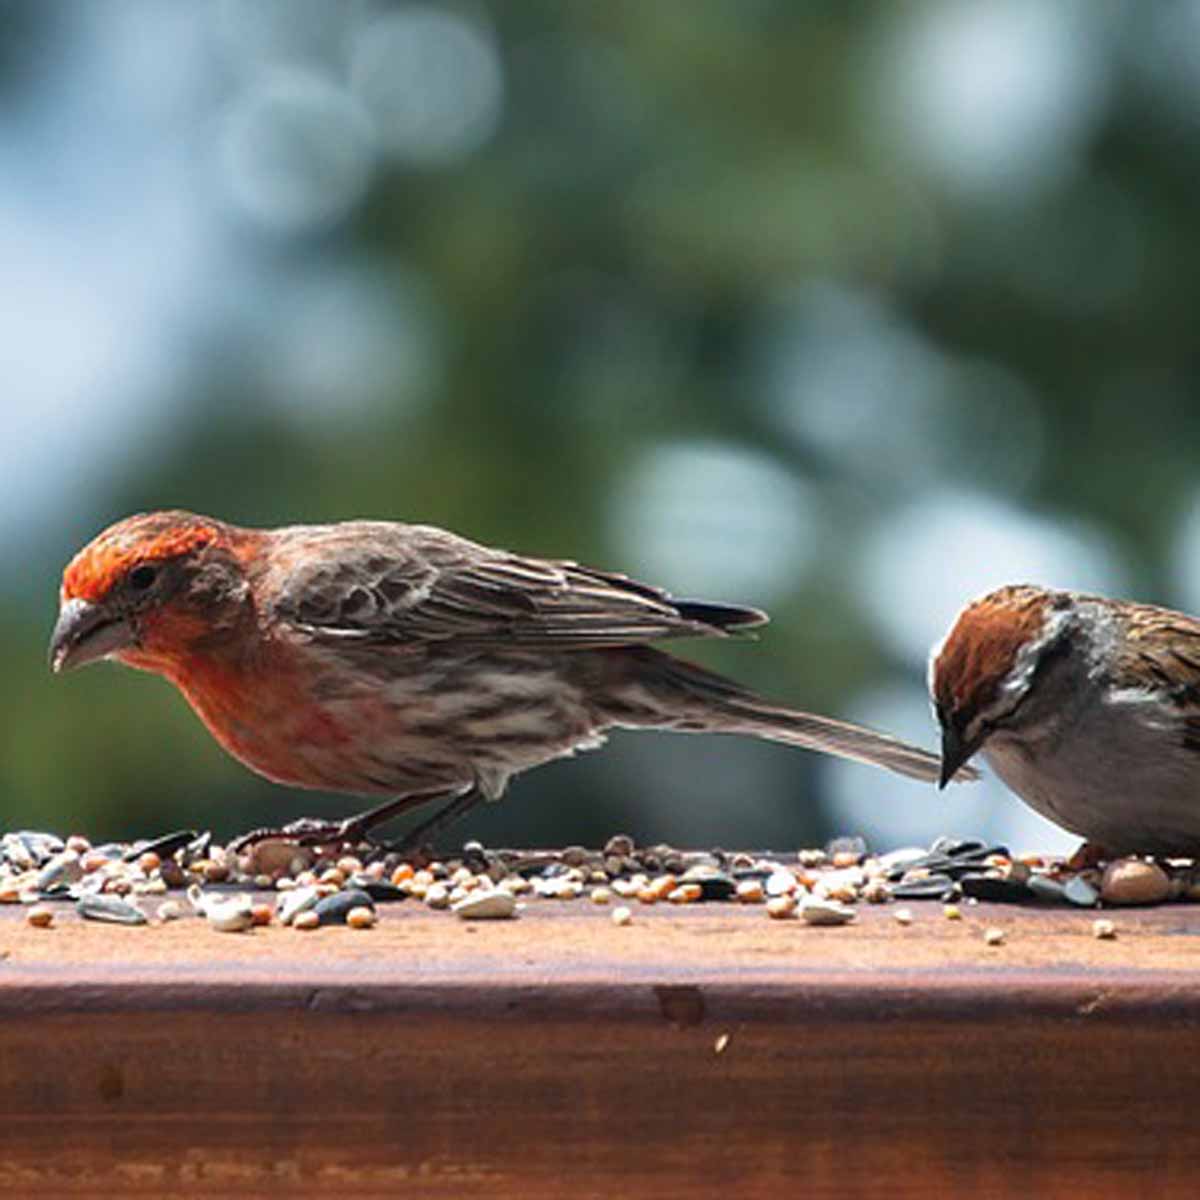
(420, 834)
(310, 831)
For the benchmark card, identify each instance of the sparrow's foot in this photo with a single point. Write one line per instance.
(1087, 856)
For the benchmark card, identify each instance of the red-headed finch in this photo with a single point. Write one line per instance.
(400, 660)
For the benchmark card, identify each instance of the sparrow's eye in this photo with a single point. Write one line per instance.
(141, 579)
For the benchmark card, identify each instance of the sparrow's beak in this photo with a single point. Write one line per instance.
(85, 632)
(955, 752)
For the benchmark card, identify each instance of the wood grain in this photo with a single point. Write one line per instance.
(559, 1055)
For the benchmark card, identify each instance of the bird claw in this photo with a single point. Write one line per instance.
(355, 831)
(1089, 855)
(307, 831)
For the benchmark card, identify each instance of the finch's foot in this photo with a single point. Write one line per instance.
(353, 831)
(307, 831)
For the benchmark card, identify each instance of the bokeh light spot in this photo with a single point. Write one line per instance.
(995, 98)
(295, 152)
(1185, 557)
(433, 82)
(923, 562)
(845, 376)
(715, 519)
(348, 346)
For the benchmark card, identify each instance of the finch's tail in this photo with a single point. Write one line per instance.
(661, 692)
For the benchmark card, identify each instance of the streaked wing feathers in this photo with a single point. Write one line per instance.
(1162, 651)
(412, 583)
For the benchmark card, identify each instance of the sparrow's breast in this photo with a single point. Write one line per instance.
(1120, 775)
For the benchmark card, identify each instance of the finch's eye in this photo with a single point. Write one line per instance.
(142, 578)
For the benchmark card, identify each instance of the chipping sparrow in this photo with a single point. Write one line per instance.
(1088, 708)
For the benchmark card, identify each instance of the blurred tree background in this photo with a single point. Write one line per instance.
(848, 310)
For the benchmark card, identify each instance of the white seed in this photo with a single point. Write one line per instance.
(1103, 928)
(437, 895)
(994, 936)
(779, 908)
(232, 915)
(299, 899)
(818, 911)
(490, 904)
(621, 915)
(903, 916)
(843, 884)
(601, 895)
(781, 883)
(902, 857)
(306, 920)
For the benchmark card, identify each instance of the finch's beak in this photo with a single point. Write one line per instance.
(955, 753)
(85, 632)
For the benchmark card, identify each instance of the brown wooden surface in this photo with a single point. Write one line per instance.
(559, 1055)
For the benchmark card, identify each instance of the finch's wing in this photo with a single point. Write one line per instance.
(414, 583)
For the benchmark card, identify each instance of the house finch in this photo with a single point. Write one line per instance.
(400, 660)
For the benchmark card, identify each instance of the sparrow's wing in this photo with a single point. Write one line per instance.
(1161, 653)
(379, 582)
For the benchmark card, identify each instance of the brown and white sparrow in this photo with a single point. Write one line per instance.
(1087, 708)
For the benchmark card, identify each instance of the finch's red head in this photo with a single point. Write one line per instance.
(127, 593)
(144, 540)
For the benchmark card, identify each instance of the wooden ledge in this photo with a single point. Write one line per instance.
(701, 1049)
